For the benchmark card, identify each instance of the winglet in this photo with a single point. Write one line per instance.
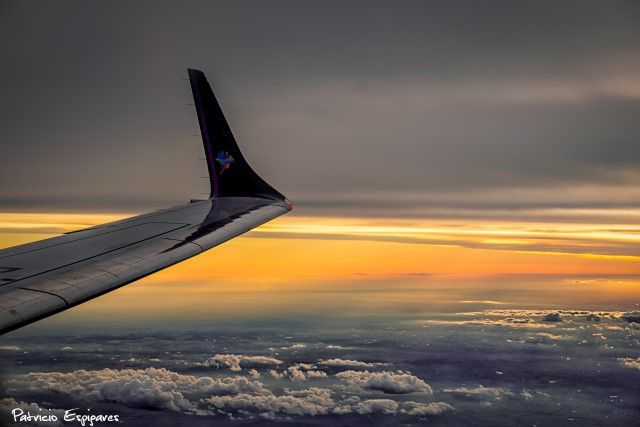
(229, 173)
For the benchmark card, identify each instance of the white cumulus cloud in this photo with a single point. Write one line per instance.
(235, 362)
(422, 409)
(149, 388)
(239, 397)
(347, 363)
(388, 382)
(478, 392)
(482, 392)
(311, 402)
(630, 362)
(376, 406)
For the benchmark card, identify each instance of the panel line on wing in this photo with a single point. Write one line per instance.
(44, 292)
(114, 230)
(100, 254)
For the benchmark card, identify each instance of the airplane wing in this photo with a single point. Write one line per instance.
(45, 277)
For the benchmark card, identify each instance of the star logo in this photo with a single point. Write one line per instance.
(225, 159)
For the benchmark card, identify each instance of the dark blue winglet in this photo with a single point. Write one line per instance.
(229, 173)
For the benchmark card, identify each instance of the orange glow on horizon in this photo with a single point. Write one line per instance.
(306, 264)
(312, 248)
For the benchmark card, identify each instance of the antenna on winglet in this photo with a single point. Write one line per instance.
(229, 173)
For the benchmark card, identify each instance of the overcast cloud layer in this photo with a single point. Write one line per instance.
(489, 367)
(399, 103)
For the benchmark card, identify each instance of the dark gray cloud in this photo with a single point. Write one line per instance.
(450, 367)
(329, 100)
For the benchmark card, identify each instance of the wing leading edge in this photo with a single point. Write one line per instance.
(45, 277)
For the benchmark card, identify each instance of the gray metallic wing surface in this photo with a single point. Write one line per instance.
(45, 277)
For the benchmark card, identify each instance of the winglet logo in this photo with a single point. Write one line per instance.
(225, 159)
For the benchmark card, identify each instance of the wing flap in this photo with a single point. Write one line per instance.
(78, 290)
(18, 306)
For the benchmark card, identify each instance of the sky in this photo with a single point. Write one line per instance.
(503, 127)
(410, 109)
(465, 241)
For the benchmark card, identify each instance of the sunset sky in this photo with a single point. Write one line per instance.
(465, 242)
(417, 143)
(304, 264)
